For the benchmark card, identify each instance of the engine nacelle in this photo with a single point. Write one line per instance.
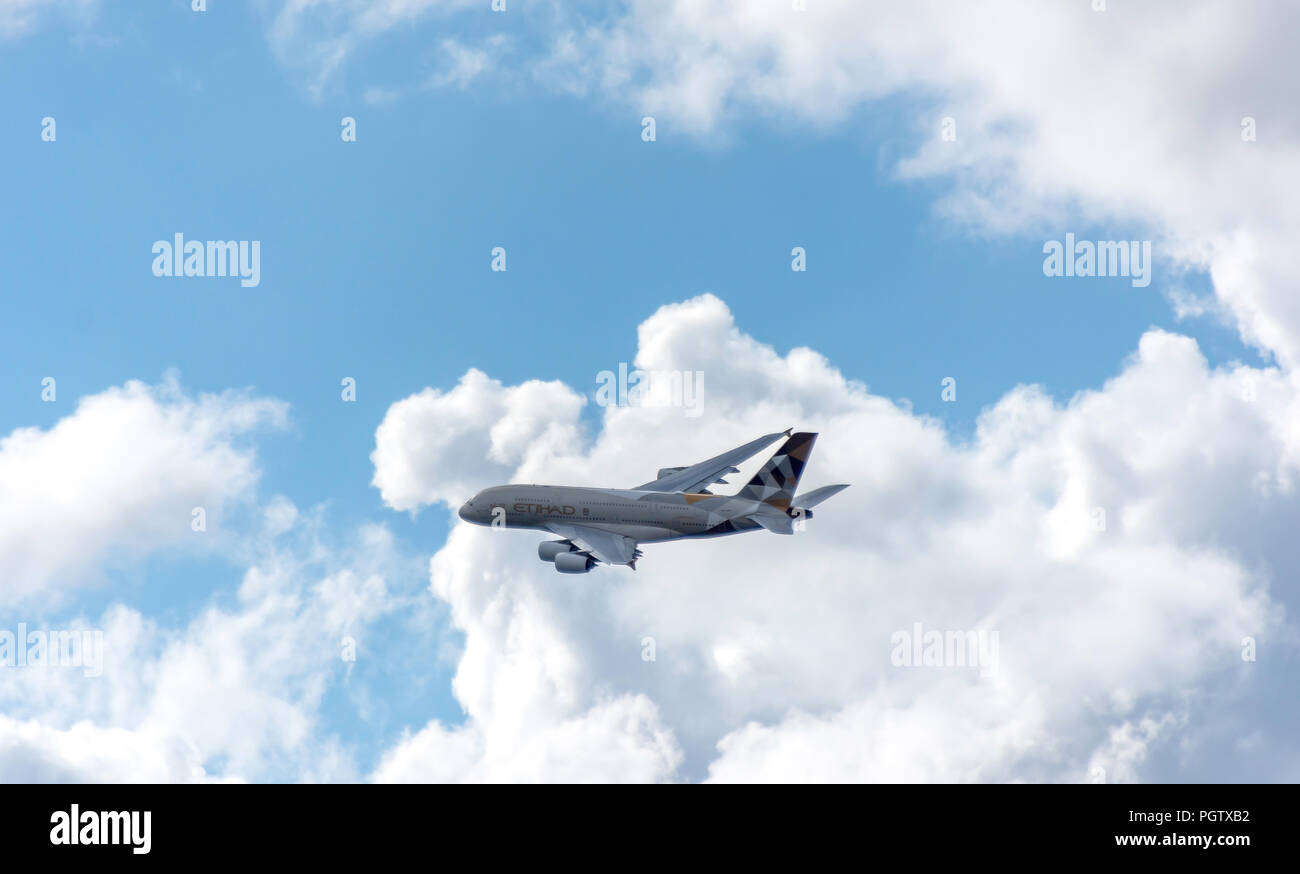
(574, 562)
(547, 550)
(799, 513)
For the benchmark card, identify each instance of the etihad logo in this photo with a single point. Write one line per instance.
(546, 509)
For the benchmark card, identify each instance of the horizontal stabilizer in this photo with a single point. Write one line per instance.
(816, 496)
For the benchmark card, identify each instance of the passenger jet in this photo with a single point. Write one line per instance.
(606, 525)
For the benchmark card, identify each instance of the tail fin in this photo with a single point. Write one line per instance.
(776, 481)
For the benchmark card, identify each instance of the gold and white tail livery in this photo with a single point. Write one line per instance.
(776, 482)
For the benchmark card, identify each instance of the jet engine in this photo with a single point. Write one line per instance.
(547, 550)
(574, 562)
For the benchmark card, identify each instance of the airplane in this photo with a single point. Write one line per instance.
(606, 525)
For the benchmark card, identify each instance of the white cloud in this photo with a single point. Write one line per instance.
(316, 37)
(121, 476)
(34, 752)
(619, 741)
(772, 654)
(525, 681)
(234, 689)
(234, 693)
(1131, 118)
(444, 446)
(463, 63)
(459, 64)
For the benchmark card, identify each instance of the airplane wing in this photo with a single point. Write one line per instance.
(699, 477)
(604, 545)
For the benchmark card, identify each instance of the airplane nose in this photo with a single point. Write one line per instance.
(464, 511)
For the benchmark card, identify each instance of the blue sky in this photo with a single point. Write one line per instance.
(375, 265)
(376, 253)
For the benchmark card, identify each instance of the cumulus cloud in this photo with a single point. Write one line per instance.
(534, 711)
(121, 476)
(233, 693)
(1157, 117)
(1156, 508)
(1122, 545)
(233, 689)
(445, 446)
(772, 656)
(32, 751)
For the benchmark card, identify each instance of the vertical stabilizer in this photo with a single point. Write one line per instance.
(776, 482)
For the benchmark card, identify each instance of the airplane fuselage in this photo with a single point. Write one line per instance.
(607, 525)
(646, 517)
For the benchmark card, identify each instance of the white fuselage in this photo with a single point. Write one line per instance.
(646, 517)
